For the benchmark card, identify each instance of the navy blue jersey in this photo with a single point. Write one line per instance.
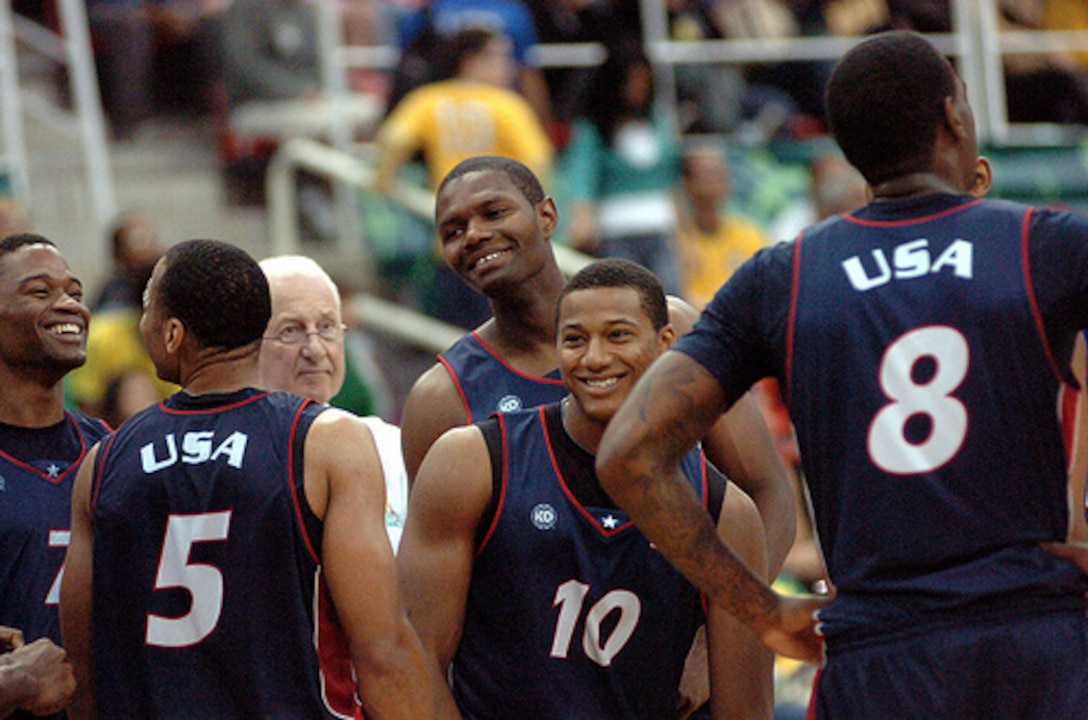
(208, 600)
(488, 384)
(35, 513)
(921, 345)
(570, 611)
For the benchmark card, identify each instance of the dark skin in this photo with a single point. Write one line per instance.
(678, 399)
(499, 243)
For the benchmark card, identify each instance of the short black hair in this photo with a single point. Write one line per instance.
(620, 273)
(520, 175)
(13, 242)
(217, 290)
(456, 49)
(884, 102)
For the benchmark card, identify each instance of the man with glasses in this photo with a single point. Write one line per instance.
(303, 353)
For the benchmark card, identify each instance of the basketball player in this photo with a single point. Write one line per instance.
(530, 589)
(229, 540)
(43, 334)
(922, 341)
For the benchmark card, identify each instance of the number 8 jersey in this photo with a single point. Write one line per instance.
(921, 353)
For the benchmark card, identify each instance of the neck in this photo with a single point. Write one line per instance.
(585, 432)
(223, 372)
(29, 402)
(525, 319)
(913, 185)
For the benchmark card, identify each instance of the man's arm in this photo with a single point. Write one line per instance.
(673, 405)
(75, 592)
(345, 487)
(741, 668)
(740, 445)
(436, 554)
(433, 407)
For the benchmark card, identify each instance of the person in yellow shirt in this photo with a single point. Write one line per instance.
(712, 240)
(473, 113)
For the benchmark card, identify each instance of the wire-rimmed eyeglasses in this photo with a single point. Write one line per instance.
(327, 330)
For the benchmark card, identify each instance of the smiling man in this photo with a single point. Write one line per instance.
(526, 582)
(43, 332)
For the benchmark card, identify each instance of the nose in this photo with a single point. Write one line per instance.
(70, 303)
(313, 347)
(597, 354)
(475, 231)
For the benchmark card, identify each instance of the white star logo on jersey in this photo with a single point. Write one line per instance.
(609, 522)
(53, 470)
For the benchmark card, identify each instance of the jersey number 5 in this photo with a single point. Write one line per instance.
(889, 447)
(204, 582)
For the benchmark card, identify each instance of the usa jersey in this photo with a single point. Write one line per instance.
(921, 373)
(35, 516)
(570, 611)
(208, 598)
(487, 384)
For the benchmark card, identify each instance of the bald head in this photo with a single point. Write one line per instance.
(305, 308)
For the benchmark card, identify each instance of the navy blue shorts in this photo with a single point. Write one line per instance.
(1028, 667)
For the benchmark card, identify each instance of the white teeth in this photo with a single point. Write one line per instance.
(606, 383)
(66, 329)
(487, 258)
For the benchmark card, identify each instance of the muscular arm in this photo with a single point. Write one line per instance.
(433, 407)
(75, 592)
(740, 445)
(435, 559)
(673, 405)
(345, 487)
(741, 669)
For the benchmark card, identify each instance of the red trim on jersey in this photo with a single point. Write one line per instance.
(291, 481)
(914, 220)
(336, 671)
(794, 290)
(566, 490)
(96, 476)
(511, 368)
(60, 476)
(502, 489)
(1029, 288)
(1068, 401)
(208, 411)
(457, 386)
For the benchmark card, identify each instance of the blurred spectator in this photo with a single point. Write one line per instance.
(713, 239)
(511, 18)
(127, 393)
(149, 55)
(709, 94)
(473, 113)
(134, 250)
(14, 218)
(622, 164)
(114, 347)
(834, 187)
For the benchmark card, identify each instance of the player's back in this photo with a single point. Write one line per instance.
(206, 567)
(943, 466)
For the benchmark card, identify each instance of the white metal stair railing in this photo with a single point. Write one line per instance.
(73, 49)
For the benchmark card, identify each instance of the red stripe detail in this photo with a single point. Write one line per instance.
(291, 481)
(1068, 400)
(457, 386)
(337, 671)
(216, 409)
(794, 291)
(911, 221)
(1029, 288)
(502, 488)
(96, 477)
(71, 468)
(508, 366)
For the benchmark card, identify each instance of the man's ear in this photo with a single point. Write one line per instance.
(666, 337)
(548, 215)
(953, 120)
(173, 335)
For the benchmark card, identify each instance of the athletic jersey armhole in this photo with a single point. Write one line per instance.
(492, 432)
(716, 484)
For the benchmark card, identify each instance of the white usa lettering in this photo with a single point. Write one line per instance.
(910, 260)
(196, 448)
